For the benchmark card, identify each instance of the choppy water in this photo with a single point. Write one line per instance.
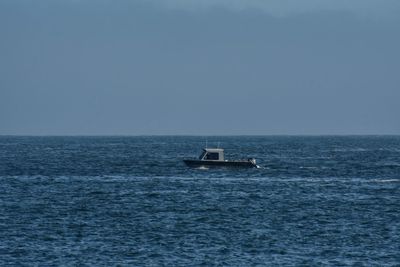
(130, 201)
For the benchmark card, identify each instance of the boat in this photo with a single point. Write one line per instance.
(214, 157)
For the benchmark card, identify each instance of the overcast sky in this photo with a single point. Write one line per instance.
(199, 67)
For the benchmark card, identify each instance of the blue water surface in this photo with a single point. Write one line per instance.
(130, 201)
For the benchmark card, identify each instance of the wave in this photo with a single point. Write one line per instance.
(186, 178)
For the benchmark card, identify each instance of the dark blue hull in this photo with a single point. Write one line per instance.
(211, 163)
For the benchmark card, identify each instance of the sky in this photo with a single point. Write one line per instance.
(189, 67)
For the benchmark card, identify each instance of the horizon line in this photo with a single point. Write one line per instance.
(186, 135)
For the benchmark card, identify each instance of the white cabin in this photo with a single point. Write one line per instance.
(214, 154)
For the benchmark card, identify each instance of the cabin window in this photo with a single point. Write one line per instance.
(202, 155)
(212, 156)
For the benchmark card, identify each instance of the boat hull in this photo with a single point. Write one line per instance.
(212, 163)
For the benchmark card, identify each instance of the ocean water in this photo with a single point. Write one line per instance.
(130, 201)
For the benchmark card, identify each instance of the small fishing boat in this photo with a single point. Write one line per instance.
(214, 157)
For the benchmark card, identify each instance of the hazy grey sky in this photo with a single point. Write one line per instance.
(199, 67)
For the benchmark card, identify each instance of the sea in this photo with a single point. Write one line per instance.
(131, 201)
